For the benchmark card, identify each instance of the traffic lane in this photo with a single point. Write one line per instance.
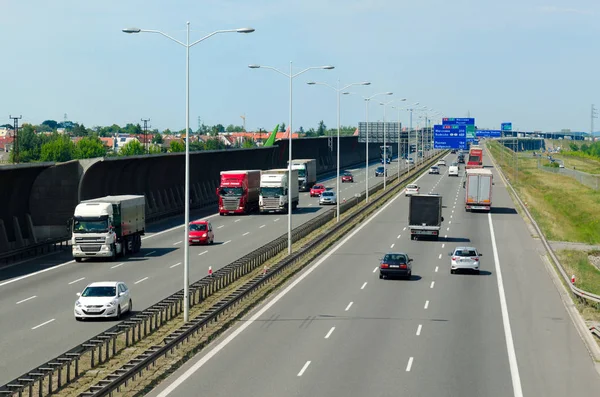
(462, 343)
(306, 315)
(162, 228)
(149, 270)
(553, 360)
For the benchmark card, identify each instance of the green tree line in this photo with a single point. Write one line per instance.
(587, 151)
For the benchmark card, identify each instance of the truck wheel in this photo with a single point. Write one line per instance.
(78, 259)
(113, 253)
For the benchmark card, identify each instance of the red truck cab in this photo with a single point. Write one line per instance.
(238, 191)
(475, 159)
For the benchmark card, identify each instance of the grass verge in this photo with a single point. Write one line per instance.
(564, 209)
(168, 364)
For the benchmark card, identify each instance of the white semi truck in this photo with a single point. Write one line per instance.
(108, 226)
(277, 192)
(307, 173)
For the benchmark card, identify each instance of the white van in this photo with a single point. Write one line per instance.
(453, 170)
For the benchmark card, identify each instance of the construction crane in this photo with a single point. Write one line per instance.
(244, 119)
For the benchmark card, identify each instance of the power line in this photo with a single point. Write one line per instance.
(15, 138)
(146, 146)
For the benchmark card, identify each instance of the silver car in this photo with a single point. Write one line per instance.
(328, 197)
(465, 258)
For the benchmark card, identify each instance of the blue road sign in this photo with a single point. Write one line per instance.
(450, 136)
(459, 121)
(489, 133)
(506, 126)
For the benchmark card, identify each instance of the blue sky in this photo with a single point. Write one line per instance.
(532, 62)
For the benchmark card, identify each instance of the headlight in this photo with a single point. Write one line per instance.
(204, 235)
(109, 304)
(78, 304)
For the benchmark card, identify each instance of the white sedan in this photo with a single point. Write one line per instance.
(434, 170)
(328, 197)
(103, 299)
(441, 162)
(465, 258)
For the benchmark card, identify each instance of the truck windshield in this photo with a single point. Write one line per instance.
(90, 225)
(301, 172)
(271, 191)
(231, 191)
(473, 159)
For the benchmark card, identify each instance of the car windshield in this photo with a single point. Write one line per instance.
(201, 227)
(465, 252)
(90, 225)
(271, 191)
(231, 191)
(318, 187)
(394, 258)
(347, 174)
(327, 194)
(101, 292)
(379, 169)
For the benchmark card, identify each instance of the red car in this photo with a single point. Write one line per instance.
(316, 190)
(201, 232)
(347, 177)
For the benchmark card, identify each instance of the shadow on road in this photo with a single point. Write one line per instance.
(455, 239)
(503, 210)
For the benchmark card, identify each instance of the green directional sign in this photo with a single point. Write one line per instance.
(470, 132)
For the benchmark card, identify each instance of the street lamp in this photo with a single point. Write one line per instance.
(367, 100)
(399, 134)
(338, 90)
(290, 76)
(384, 141)
(186, 247)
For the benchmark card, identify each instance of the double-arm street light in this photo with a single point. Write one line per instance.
(338, 90)
(367, 100)
(290, 76)
(187, 45)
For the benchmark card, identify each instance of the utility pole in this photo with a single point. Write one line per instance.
(15, 138)
(146, 145)
(594, 116)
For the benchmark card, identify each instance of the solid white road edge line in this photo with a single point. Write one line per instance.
(183, 377)
(510, 347)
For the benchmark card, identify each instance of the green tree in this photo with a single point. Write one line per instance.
(155, 149)
(52, 124)
(248, 143)
(573, 147)
(79, 130)
(90, 147)
(157, 139)
(196, 146)
(214, 144)
(230, 128)
(322, 129)
(282, 127)
(9, 126)
(585, 148)
(301, 131)
(167, 132)
(132, 148)
(176, 146)
(29, 144)
(204, 129)
(311, 133)
(59, 149)
(132, 129)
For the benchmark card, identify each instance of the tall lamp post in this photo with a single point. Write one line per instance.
(367, 100)
(290, 76)
(338, 90)
(186, 247)
(384, 142)
(399, 135)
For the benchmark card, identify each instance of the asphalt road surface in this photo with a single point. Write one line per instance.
(338, 330)
(37, 297)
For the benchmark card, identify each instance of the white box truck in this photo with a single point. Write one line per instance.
(307, 173)
(478, 186)
(276, 191)
(108, 226)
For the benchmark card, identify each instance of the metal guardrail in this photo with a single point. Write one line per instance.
(62, 370)
(576, 291)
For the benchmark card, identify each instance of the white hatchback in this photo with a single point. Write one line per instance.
(411, 189)
(465, 258)
(103, 299)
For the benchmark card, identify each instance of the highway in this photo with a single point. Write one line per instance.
(338, 330)
(37, 297)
